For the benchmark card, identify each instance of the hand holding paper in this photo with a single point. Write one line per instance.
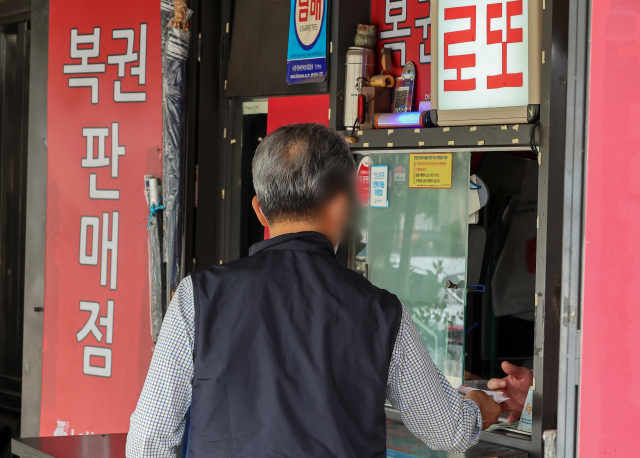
(515, 386)
(488, 407)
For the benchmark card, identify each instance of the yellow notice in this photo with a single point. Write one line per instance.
(430, 170)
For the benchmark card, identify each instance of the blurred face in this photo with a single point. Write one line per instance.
(335, 216)
(332, 220)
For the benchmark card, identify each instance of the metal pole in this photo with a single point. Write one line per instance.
(573, 231)
(36, 220)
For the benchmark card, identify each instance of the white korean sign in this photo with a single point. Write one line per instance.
(483, 54)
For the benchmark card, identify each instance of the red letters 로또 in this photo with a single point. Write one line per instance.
(460, 36)
(494, 10)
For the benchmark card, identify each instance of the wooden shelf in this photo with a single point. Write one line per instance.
(511, 136)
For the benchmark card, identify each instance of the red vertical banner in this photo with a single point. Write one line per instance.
(104, 135)
(404, 26)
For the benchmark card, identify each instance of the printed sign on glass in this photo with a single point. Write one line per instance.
(307, 51)
(379, 186)
(430, 170)
(363, 180)
(483, 54)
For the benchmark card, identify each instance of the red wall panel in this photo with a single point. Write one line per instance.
(307, 108)
(609, 401)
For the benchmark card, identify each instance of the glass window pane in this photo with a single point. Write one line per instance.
(413, 247)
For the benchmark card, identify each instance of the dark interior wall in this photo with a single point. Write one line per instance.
(251, 231)
(494, 339)
(13, 7)
(236, 35)
(258, 57)
(210, 66)
(14, 109)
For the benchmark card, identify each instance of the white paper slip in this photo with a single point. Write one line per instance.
(511, 427)
(496, 395)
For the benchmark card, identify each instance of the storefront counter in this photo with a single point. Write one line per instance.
(400, 442)
(92, 446)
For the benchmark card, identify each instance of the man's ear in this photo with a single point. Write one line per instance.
(256, 208)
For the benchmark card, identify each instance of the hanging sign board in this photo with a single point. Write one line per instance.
(307, 52)
(104, 135)
(486, 61)
(405, 28)
(432, 170)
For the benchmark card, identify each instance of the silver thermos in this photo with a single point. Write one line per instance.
(360, 64)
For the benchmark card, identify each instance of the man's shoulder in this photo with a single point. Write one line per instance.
(365, 287)
(252, 269)
(231, 269)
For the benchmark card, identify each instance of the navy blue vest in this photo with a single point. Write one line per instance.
(291, 355)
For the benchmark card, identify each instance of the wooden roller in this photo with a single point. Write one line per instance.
(382, 81)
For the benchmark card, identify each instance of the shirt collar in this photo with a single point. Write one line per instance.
(297, 241)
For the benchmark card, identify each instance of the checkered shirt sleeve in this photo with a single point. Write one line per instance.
(430, 407)
(158, 422)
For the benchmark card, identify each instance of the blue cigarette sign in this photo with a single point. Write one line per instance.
(307, 52)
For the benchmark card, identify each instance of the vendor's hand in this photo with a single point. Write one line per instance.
(515, 386)
(489, 408)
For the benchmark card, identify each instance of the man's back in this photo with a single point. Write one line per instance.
(291, 355)
(287, 353)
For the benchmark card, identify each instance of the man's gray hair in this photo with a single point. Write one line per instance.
(297, 167)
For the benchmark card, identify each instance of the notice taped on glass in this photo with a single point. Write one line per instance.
(430, 170)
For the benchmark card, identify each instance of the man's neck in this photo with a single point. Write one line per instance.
(294, 227)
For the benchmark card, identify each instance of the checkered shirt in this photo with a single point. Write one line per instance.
(430, 407)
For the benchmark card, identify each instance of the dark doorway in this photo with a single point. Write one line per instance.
(254, 129)
(14, 97)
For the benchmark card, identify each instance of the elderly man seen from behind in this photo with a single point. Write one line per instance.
(287, 353)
